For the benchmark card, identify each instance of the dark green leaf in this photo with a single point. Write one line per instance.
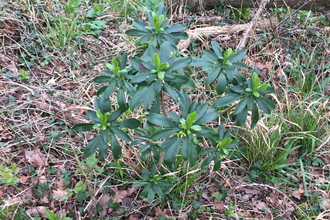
(180, 35)
(200, 111)
(156, 106)
(193, 155)
(180, 79)
(240, 54)
(255, 115)
(262, 105)
(213, 75)
(216, 48)
(115, 115)
(238, 65)
(151, 195)
(224, 101)
(104, 105)
(164, 52)
(269, 102)
(164, 133)
(241, 117)
(122, 100)
(176, 28)
(129, 87)
(131, 123)
(103, 148)
(207, 150)
(209, 116)
(137, 99)
(172, 152)
(92, 146)
(92, 116)
(200, 62)
(210, 54)
(179, 63)
(221, 84)
(115, 147)
(168, 143)
(111, 87)
(149, 96)
(83, 127)
(123, 61)
(171, 38)
(121, 134)
(102, 79)
(160, 120)
(269, 90)
(174, 117)
(140, 78)
(136, 32)
(217, 166)
(238, 89)
(241, 105)
(171, 91)
(185, 150)
(140, 25)
(207, 161)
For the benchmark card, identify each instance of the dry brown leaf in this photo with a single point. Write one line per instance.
(158, 211)
(36, 158)
(24, 179)
(218, 205)
(261, 205)
(39, 210)
(120, 195)
(59, 193)
(29, 194)
(298, 192)
(103, 201)
(131, 217)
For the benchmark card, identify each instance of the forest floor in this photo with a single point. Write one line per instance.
(49, 54)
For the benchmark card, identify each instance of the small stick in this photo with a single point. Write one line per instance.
(243, 41)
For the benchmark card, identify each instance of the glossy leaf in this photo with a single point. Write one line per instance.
(92, 116)
(164, 133)
(172, 152)
(160, 120)
(83, 127)
(210, 54)
(213, 75)
(115, 147)
(200, 62)
(224, 101)
(209, 116)
(255, 116)
(216, 48)
(241, 117)
(240, 54)
(131, 123)
(92, 146)
(185, 150)
(193, 155)
(221, 84)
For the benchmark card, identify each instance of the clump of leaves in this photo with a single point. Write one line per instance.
(108, 127)
(158, 31)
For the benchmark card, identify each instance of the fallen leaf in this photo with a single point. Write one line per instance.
(36, 158)
(103, 201)
(218, 205)
(59, 193)
(131, 217)
(29, 194)
(120, 195)
(261, 205)
(158, 211)
(39, 210)
(298, 192)
(24, 179)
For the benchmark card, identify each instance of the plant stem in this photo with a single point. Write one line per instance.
(162, 154)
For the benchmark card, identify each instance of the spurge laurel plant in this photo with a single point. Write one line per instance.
(170, 138)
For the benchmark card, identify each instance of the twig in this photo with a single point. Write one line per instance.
(145, 139)
(243, 41)
(293, 13)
